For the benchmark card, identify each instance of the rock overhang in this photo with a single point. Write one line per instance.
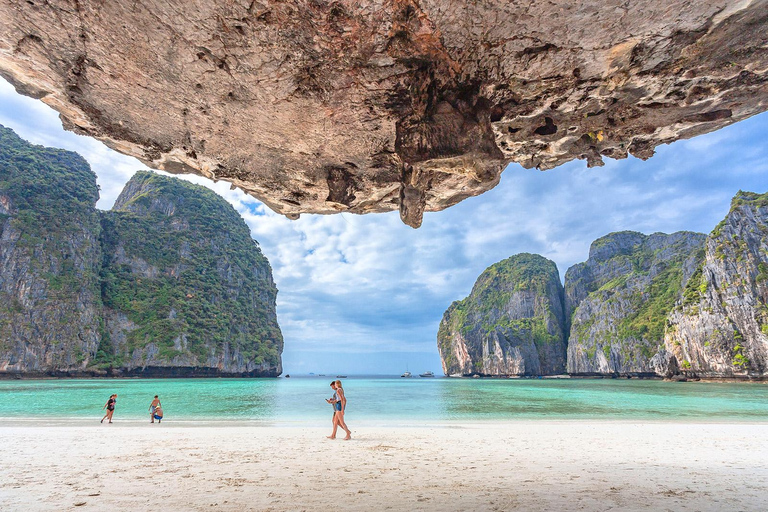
(372, 106)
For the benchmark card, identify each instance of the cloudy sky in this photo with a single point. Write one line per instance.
(365, 294)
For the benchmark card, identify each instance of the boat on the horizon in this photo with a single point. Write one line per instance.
(341, 376)
(427, 374)
(407, 374)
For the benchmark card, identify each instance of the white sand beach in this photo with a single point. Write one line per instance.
(529, 466)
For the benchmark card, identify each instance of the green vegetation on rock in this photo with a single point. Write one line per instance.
(621, 296)
(49, 292)
(171, 278)
(180, 262)
(516, 303)
(719, 326)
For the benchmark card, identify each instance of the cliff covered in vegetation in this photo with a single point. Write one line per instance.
(168, 283)
(618, 300)
(720, 328)
(641, 305)
(510, 324)
(50, 257)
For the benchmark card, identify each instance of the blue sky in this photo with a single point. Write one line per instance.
(365, 294)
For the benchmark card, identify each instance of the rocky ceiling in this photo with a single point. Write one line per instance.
(376, 105)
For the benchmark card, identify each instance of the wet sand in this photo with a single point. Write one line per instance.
(531, 466)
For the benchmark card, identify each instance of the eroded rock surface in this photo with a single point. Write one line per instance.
(377, 105)
(720, 328)
(511, 323)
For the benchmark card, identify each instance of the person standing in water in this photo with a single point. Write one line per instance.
(339, 402)
(110, 407)
(152, 407)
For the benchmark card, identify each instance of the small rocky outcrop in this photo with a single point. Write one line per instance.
(618, 300)
(367, 106)
(169, 283)
(720, 327)
(510, 324)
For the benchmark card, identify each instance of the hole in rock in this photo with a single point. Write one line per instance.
(496, 114)
(549, 127)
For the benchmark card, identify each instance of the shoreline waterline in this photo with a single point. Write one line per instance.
(93, 422)
(386, 400)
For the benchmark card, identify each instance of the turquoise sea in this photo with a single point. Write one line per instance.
(299, 401)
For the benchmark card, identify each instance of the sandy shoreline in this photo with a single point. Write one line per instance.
(538, 465)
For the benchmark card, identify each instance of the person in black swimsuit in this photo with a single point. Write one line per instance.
(110, 407)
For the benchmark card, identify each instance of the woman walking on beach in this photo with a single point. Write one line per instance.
(152, 408)
(332, 401)
(110, 407)
(339, 402)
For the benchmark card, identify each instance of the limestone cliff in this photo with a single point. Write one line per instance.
(169, 283)
(618, 300)
(510, 324)
(370, 105)
(49, 258)
(184, 285)
(720, 328)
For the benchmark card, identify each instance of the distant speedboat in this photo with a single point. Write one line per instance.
(341, 376)
(407, 375)
(427, 374)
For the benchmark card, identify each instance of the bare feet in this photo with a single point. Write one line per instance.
(330, 437)
(349, 436)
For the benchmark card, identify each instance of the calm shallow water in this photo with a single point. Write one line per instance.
(385, 400)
